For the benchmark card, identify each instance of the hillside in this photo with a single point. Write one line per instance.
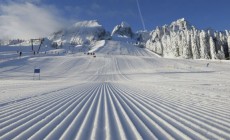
(178, 40)
(125, 92)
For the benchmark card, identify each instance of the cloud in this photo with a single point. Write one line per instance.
(25, 20)
(30, 1)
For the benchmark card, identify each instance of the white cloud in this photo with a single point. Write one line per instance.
(27, 20)
(30, 1)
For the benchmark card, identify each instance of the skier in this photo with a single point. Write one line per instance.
(207, 64)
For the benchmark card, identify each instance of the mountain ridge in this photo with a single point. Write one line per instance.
(178, 39)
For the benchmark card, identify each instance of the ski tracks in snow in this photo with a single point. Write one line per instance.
(107, 110)
(107, 98)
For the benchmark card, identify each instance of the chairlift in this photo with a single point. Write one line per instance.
(41, 41)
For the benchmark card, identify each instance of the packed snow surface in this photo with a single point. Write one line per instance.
(125, 92)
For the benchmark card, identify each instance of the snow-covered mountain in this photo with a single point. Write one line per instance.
(124, 30)
(124, 33)
(84, 32)
(180, 39)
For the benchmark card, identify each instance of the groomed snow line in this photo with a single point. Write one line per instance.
(125, 92)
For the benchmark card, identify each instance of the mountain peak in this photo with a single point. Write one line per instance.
(83, 32)
(123, 29)
(180, 24)
(87, 23)
(181, 20)
(124, 24)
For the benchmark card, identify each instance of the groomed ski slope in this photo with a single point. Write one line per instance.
(124, 93)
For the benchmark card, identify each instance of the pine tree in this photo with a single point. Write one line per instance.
(180, 39)
(194, 46)
(174, 44)
(228, 40)
(212, 48)
(186, 45)
(204, 45)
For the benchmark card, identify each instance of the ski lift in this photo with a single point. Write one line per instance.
(41, 41)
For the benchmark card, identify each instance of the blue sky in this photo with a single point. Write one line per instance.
(200, 13)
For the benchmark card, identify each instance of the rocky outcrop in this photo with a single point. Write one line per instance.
(123, 30)
(180, 39)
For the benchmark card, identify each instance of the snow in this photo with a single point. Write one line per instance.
(124, 24)
(97, 46)
(123, 30)
(180, 39)
(126, 92)
(80, 33)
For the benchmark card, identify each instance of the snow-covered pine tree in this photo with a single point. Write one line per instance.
(212, 48)
(194, 46)
(180, 39)
(164, 45)
(204, 50)
(174, 43)
(220, 43)
(187, 45)
(180, 43)
(220, 54)
(229, 46)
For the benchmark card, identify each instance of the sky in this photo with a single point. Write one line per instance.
(48, 15)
